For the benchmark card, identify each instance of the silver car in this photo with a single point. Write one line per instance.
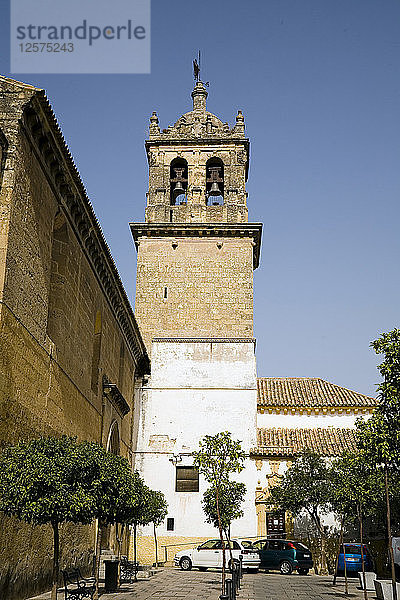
(209, 555)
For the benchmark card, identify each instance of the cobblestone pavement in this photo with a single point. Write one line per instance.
(173, 584)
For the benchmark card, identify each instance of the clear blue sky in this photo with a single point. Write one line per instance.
(319, 84)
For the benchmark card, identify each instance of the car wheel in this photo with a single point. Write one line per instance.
(185, 563)
(303, 571)
(230, 565)
(286, 567)
(202, 568)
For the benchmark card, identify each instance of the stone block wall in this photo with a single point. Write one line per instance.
(65, 322)
(195, 287)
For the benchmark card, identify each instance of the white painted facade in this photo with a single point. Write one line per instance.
(197, 387)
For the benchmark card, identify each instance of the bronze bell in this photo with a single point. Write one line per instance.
(179, 189)
(214, 191)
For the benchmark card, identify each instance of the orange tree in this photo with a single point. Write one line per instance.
(219, 456)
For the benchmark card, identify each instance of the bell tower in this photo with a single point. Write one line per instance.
(196, 249)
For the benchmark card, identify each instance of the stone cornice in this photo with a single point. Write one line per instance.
(201, 230)
(182, 340)
(112, 392)
(41, 128)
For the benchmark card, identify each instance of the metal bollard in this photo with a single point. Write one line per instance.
(240, 566)
(230, 589)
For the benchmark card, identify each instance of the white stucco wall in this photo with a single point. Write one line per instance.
(196, 388)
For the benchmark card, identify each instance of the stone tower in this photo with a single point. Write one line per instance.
(194, 305)
(196, 249)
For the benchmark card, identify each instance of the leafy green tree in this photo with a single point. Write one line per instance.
(116, 490)
(44, 481)
(231, 496)
(137, 512)
(357, 489)
(218, 457)
(306, 486)
(157, 511)
(379, 437)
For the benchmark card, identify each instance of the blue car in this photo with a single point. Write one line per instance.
(353, 558)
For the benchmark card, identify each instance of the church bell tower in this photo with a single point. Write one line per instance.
(196, 249)
(194, 306)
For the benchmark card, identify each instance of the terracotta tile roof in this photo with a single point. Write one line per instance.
(306, 393)
(282, 441)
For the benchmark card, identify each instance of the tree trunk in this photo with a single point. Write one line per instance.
(120, 538)
(389, 530)
(134, 550)
(56, 560)
(320, 527)
(223, 545)
(338, 552)
(228, 539)
(360, 520)
(155, 543)
(97, 567)
(346, 583)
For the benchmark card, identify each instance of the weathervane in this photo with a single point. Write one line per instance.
(196, 71)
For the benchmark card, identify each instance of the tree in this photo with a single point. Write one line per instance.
(157, 511)
(356, 491)
(306, 487)
(218, 457)
(379, 437)
(231, 495)
(116, 490)
(43, 481)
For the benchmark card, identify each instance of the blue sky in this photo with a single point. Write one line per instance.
(319, 84)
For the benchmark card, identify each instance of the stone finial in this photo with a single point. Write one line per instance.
(239, 127)
(199, 96)
(154, 126)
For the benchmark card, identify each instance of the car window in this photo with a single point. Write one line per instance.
(247, 544)
(300, 546)
(352, 549)
(209, 545)
(275, 545)
(236, 546)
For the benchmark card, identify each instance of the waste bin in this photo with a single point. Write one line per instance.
(111, 575)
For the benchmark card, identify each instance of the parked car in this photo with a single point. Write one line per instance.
(353, 558)
(285, 555)
(209, 555)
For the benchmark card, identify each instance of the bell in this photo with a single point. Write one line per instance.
(214, 191)
(179, 189)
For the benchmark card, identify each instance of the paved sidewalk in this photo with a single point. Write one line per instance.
(174, 584)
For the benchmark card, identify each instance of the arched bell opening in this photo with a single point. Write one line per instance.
(214, 182)
(178, 181)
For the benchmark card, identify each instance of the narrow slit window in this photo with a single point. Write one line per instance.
(170, 524)
(165, 292)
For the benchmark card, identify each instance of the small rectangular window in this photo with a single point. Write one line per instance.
(187, 479)
(165, 292)
(170, 524)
